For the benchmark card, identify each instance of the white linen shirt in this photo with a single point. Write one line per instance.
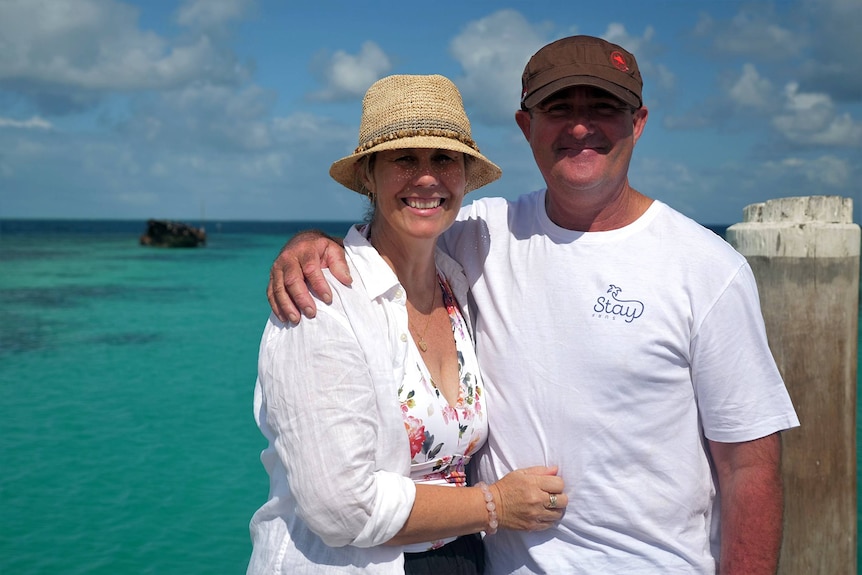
(326, 399)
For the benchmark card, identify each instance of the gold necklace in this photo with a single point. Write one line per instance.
(421, 343)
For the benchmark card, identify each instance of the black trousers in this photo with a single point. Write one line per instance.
(464, 556)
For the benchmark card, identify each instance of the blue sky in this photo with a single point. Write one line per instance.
(234, 109)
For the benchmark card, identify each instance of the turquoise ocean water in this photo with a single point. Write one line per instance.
(127, 442)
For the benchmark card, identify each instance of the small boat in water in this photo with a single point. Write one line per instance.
(170, 234)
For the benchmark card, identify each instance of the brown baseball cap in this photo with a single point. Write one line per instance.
(581, 61)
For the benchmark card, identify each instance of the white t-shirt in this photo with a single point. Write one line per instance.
(612, 354)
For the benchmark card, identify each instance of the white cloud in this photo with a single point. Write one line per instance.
(832, 171)
(261, 166)
(211, 13)
(62, 53)
(835, 65)
(810, 119)
(303, 128)
(204, 117)
(347, 76)
(34, 123)
(820, 38)
(673, 180)
(717, 194)
(828, 171)
(661, 76)
(689, 121)
(493, 52)
(751, 90)
(755, 31)
(656, 75)
(821, 73)
(617, 34)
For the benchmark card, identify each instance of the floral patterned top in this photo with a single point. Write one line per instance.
(443, 437)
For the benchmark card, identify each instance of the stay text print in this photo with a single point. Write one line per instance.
(614, 306)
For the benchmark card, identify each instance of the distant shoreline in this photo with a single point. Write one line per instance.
(15, 226)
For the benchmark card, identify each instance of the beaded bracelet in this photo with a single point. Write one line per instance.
(489, 505)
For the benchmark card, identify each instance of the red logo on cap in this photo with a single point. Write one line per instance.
(618, 60)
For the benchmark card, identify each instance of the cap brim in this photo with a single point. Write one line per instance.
(570, 81)
(481, 172)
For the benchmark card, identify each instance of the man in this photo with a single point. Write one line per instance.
(619, 340)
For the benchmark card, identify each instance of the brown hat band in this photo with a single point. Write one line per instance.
(410, 129)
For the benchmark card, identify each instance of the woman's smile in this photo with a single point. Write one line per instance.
(423, 203)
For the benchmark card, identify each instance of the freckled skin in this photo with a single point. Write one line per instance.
(419, 176)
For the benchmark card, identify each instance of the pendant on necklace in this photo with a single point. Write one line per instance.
(421, 343)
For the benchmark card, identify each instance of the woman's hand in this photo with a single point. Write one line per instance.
(530, 499)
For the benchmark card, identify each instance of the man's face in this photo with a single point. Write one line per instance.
(582, 139)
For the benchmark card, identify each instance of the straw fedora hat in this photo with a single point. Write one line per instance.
(406, 111)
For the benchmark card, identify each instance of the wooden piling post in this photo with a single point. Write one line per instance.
(805, 255)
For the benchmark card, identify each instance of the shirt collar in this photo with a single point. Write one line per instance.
(378, 278)
(376, 275)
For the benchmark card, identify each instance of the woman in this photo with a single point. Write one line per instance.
(373, 408)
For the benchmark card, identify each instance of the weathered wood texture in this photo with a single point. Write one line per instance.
(805, 255)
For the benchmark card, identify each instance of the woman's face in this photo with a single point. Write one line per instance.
(418, 191)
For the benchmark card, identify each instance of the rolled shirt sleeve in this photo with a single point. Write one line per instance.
(329, 407)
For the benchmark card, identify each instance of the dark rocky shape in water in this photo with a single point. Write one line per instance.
(168, 234)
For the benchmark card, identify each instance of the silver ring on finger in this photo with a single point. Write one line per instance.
(552, 504)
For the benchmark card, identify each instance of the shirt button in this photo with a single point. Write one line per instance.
(403, 337)
(399, 293)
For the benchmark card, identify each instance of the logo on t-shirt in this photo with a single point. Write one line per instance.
(613, 307)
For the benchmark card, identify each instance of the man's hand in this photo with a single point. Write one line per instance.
(303, 259)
